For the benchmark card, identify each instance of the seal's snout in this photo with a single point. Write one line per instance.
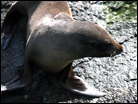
(118, 50)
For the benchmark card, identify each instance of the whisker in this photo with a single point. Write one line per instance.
(113, 53)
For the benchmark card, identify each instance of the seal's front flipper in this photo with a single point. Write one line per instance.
(16, 83)
(21, 81)
(77, 85)
(8, 27)
(5, 41)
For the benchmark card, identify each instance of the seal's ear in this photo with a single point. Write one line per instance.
(62, 16)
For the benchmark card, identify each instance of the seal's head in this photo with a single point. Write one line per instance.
(87, 39)
(95, 41)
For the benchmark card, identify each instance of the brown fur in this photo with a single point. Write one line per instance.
(54, 41)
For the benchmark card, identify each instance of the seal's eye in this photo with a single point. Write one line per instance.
(91, 42)
(105, 46)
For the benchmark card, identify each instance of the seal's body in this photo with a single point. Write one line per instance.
(54, 40)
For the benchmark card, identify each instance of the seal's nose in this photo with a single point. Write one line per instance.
(119, 49)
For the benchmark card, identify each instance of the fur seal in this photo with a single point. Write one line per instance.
(54, 40)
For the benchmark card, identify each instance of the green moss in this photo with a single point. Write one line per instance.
(125, 11)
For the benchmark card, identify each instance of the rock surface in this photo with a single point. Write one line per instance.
(117, 76)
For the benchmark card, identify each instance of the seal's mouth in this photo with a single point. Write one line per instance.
(116, 52)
